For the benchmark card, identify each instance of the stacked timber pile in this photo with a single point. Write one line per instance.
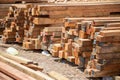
(4, 9)
(107, 54)
(10, 31)
(14, 26)
(9, 34)
(78, 38)
(32, 30)
(49, 31)
(31, 38)
(52, 16)
(20, 19)
(37, 17)
(16, 19)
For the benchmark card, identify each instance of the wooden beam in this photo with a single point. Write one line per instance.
(42, 21)
(5, 77)
(107, 39)
(15, 58)
(108, 49)
(34, 67)
(16, 74)
(108, 56)
(110, 33)
(25, 70)
(112, 25)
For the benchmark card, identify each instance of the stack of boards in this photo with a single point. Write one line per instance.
(83, 41)
(79, 38)
(37, 18)
(14, 25)
(106, 61)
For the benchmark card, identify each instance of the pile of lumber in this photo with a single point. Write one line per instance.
(94, 36)
(40, 31)
(31, 30)
(50, 16)
(31, 19)
(9, 34)
(78, 38)
(14, 26)
(4, 9)
(106, 61)
(10, 27)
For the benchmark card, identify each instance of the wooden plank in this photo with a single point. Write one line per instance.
(15, 58)
(107, 49)
(77, 61)
(74, 10)
(75, 52)
(57, 76)
(108, 67)
(61, 54)
(102, 22)
(86, 54)
(108, 56)
(8, 40)
(25, 70)
(42, 21)
(84, 42)
(4, 77)
(107, 39)
(71, 59)
(34, 67)
(70, 24)
(90, 18)
(57, 47)
(86, 49)
(52, 29)
(112, 28)
(110, 33)
(54, 53)
(82, 34)
(109, 61)
(11, 72)
(104, 73)
(113, 25)
(67, 54)
(28, 45)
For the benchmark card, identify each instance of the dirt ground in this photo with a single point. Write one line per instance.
(49, 63)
